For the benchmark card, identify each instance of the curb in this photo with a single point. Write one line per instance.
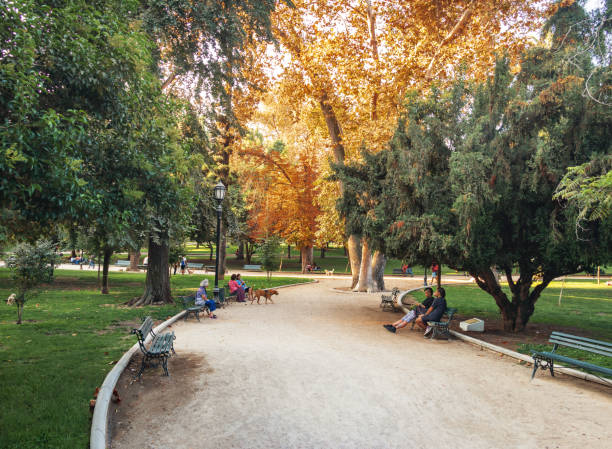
(99, 423)
(513, 354)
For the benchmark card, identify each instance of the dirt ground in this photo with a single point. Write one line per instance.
(317, 370)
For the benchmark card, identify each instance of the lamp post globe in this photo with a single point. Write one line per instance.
(219, 192)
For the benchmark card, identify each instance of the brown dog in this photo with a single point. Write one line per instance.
(267, 293)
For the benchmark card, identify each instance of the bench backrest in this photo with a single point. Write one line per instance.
(123, 263)
(586, 344)
(252, 267)
(450, 311)
(198, 266)
(187, 300)
(143, 331)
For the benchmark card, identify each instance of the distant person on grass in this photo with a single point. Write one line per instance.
(419, 309)
(201, 299)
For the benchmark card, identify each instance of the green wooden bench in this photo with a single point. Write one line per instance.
(441, 328)
(389, 301)
(195, 266)
(122, 263)
(252, 267)
(159, 348)
(225, 296)
(190, 307)
(208, 268)
(401, 272)
(546, 359)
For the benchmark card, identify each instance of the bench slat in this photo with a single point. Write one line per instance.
(583, 347)
(575, 337)
(569, 360)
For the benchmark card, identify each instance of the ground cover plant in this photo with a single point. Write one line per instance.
(70, 338)
(585, 309)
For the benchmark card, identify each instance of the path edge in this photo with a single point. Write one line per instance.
(99, 423)
(517, 355)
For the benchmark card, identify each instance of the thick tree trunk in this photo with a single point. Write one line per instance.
(307, 256)
(107, 256)
(240, 251)
(288, 251)
(378, 271)
(134, 260)
(322, 252)
(439, 275)
(211, 248)
(19, 311)
(354, 255)
(157, 284)
(365, 270)
(222, 253)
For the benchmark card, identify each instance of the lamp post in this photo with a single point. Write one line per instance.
(219, 195)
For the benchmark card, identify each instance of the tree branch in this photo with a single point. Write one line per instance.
(169, 81)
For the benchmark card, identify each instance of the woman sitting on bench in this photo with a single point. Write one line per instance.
(247, 290)
(202, 300)
(234, 287)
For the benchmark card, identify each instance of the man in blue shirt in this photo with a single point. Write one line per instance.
(435, 311)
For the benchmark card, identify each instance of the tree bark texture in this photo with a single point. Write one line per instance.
(515, 313)
(307, 256)
(288, 251)
(134, 260)
(107, 256)
(439, 275)
(240, 251)
(157, 283)
(322, 252)
(379, 261)
(354, 254)
(365, 270)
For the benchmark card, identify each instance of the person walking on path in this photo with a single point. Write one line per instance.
(183, 264)
(418, 309)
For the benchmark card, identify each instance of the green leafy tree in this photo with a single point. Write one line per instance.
(268, 251)
(31, 265)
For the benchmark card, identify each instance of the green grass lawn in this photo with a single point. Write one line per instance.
(51, 364)
(585, 309)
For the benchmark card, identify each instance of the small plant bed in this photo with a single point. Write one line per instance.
(70, 338)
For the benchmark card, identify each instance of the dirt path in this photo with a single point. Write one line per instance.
(317, 370)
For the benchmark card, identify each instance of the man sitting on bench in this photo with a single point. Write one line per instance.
(435, 311)
(420, 309)
(202, 300)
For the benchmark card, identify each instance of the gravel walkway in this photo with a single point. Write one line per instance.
(317, 370)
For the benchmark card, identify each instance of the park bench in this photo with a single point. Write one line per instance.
(122, 263)
(160, 346)
(571, 341)
(190, 307)
(389, 301)
(225, 296)
(208, 268)
(195, 266)
(441, 328)
(252, 267)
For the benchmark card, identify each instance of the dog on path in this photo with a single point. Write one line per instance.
(329, 272)
(266, 293)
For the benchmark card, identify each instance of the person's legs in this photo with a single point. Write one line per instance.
(419, 321)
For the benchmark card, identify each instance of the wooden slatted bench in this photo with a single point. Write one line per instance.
(190, 307)
(252, 267)
(122, 263)
(195, 266)
(546, 359)
(441, 328)
(389, 301)
(159, 348)
(208, 268)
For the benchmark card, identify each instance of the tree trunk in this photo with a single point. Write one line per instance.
(378, 271)
(439, 275)
(354, 254)
(107, 256)
(19, 311)
(210, 248)
(240, 251)
(307, 257)
(222, 252)
(365, 270)
(288, 251)
(322, 252)
(157, 284)
(134, 260)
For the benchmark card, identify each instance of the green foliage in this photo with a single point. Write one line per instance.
(31, 265)
(268, 249)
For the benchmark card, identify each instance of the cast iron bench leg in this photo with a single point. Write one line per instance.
(536, 364)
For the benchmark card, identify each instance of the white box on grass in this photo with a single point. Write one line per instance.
(473, 325)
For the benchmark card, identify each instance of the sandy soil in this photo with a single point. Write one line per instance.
(317, 370)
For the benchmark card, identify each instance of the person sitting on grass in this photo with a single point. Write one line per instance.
(247, 290)
(419, 309)
(237, 289)
(201, 299)
(435, 311)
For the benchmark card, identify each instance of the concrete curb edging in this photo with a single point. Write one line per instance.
(513, 354)
(99, 422)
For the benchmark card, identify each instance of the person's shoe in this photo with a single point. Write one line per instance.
(390, 328)
(428, 331)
